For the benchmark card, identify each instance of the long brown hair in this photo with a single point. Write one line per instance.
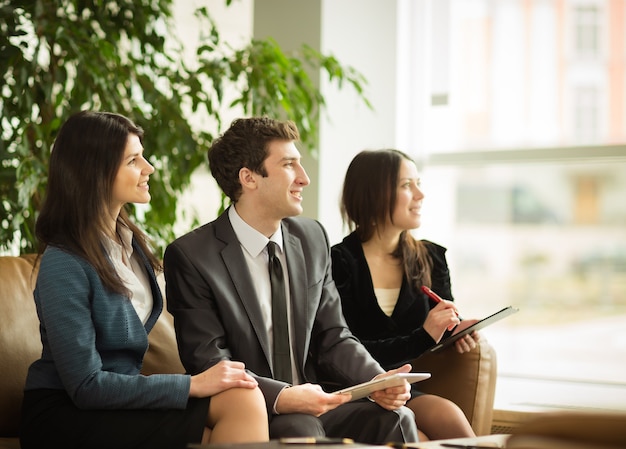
(85, 158)
(369, 197)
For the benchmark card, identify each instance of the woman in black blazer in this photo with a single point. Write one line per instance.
(379, 269)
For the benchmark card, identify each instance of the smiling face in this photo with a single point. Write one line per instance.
(280, 192)
(131, 181)
(409, 196)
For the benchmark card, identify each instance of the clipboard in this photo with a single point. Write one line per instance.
(500, 314)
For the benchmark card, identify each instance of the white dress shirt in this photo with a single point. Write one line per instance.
(254, 245)
(132, 272)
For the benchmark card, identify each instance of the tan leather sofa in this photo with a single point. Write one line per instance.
(469, 380)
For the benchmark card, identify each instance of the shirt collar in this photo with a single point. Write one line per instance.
(126, 236)
(252, 240)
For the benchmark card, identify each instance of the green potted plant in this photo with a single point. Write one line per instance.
(61, 56)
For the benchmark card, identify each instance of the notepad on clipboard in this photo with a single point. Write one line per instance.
(500, 314)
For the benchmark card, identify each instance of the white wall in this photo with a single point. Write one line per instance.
(362, 34)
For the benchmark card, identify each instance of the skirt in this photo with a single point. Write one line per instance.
(50, 419)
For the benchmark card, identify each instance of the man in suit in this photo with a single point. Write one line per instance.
(218, 289)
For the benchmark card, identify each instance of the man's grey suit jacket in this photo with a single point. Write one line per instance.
(217, 316)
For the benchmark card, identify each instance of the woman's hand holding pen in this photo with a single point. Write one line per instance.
(462, 345)
(442, 317)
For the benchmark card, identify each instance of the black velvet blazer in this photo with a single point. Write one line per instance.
(399, 338)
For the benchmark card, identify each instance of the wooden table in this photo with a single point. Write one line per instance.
(487, 441)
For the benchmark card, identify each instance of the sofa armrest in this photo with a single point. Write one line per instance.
(9, 443)
(20, 342)
(468, 380)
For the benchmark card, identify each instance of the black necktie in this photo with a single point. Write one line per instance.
(280, 328)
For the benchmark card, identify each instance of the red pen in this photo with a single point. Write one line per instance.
(435, 297)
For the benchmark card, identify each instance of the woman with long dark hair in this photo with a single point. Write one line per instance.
(97, 299)
(379, 270)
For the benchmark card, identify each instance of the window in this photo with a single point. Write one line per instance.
(587, 30)
(586, 114)
(526, 189)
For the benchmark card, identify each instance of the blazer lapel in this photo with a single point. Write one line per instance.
(237, 268)
(157, 296)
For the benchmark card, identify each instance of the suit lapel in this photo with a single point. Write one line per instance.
(237, 268)
(299, 300)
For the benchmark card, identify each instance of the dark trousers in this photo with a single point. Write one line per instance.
(363, 421)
